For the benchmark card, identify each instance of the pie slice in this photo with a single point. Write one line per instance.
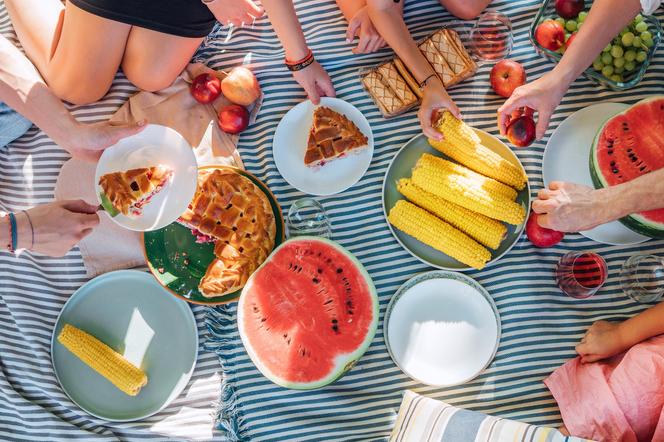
(234, 213)
(331, 136)
(131, 190)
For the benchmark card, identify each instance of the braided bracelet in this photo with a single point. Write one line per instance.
(302, 63)
(13, 232)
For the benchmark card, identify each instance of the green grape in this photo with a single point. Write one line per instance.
(607, 71)
(607, 48)
(641, 26)
(582, 16)
(619, 62)
(627, 39)
(649, 43)
(638, 18)
(607, 59)
(598, 65)
(617, 51)
(646, 35)
(641, 56)
(570, 25)
(616, 78)
(637, 42)
(630, 66)
(561, 21)
(618, 70)
(578, 26)
(630, 55)
(567, 36)
(624, 31)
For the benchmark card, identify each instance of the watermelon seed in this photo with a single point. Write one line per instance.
(335, 328)
(327, 302)
(339, 270)
(334, 321)
(320, 271)
(315, 280)
(263, 319)
(253, 220)
(241, 214)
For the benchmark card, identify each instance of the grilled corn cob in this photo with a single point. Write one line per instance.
(482, 229)
(122, 373)
(472, 178)
(436, 233)
(457, 190)
(462, 144)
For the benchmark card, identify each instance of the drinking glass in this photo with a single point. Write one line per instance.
(491, 37)
(306, 217)
(642, 278)
(581, 274)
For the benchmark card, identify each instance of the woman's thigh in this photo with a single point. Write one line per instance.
(87, 56)
(153, 60)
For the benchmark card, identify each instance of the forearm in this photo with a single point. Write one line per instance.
(286, 25)
(388, 21)
(643, 193)
(22, 89)
(23, 231)
(643, 326)
(350, 7)
(605, 20)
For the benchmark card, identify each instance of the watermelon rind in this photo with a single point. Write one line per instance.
(347, 361)
(634, 222)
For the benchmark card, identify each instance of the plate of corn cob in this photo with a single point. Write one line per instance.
(456, 204)
(123, 348)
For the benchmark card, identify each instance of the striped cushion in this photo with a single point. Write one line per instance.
(423, 419)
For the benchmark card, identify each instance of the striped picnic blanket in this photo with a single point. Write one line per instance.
(540, 325)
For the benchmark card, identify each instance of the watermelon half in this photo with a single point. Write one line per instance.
(627, 146)
(308, 313)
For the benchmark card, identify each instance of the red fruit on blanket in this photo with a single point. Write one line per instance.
(541, 236)
(550, 34)
(506, 76)
(233, 118)
(205, 88)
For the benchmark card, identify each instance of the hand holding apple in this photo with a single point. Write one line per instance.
(541, 236)
(506, 76)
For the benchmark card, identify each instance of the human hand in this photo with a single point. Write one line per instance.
(568, 207)
(361, 26)
(434, 100)
(235, 12)
(88, 141)
(542, 95)
(315, 81)
(602, 340)
(58, 226)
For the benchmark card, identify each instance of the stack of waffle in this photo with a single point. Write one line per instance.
(394, 89)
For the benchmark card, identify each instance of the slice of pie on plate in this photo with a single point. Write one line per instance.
(131, 190)
(331, 136)
(234, 213)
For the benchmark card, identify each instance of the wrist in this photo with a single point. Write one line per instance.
(24, 231)
(297, 53)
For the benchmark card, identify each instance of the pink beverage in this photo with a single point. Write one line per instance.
(581, 274)
(491, 36)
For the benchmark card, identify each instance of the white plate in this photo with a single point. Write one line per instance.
(442, 328)
(130, 312)
(567, 158)
(290, 144)
(153, 146)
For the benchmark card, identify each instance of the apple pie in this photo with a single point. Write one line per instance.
(131, 190)
(332, 135)
(234, 213)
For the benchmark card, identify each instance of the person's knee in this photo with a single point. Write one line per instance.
(146, 78)
(463, 10)
(78, 92)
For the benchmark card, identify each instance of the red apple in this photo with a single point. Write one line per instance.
(233, 118)
(569, 40)
(569, 9)
(241, 86)
(521, 131)
(506, 76)
(206, 88)
(541, 236)
(550, 35)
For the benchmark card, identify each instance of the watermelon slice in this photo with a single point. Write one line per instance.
(629, 145)
(308, 313)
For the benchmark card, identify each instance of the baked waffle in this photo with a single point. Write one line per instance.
(387, 101)
(455, 40)
(449, 52)
(332, 135)
(131, 190)
(391, 77)
(408, 78)
(232, 211)
(438, 62)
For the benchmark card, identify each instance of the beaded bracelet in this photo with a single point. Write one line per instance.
(12, 232)
(302, 63)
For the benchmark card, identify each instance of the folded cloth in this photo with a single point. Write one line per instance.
(424, 419)
(618, 399)
(111, 247)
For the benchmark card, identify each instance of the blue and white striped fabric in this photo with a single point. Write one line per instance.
(424, 419)
(540, 325)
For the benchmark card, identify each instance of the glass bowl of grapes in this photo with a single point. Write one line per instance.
(623, 62)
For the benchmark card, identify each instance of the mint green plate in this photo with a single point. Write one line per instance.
(178, 262)
(128, 311)
(401, 167)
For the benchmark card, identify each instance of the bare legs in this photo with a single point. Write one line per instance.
(78, 53)
(466, 9)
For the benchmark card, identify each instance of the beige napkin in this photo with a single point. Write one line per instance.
(110, 247)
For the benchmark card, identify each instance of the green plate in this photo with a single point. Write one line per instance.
(401, 167)
(179, 262)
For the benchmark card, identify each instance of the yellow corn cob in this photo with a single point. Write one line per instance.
(462, 144)
(436, 233)
(122, 373)
(482, 229)
(472, 178)
(456, 190)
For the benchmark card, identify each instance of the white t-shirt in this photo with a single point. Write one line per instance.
(649, 6)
